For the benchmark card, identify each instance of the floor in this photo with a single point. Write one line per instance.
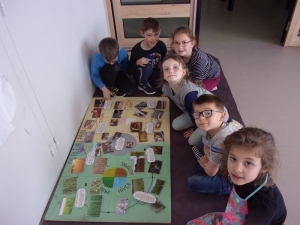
(263, 76)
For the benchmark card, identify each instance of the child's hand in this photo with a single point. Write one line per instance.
(203, 161)
(106, 93)
(163, 95)
(142, 61)
(206, 151)
(188, 133)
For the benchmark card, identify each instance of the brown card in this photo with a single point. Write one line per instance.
(99, 103)
(96, 113)
(157, 114)
(139, 166)
(117, 135)
(129, 144)
(157, 149)
(117, 113)
(113, 122)
(137, 154)
(143, 136)
(88, 136)
(159, 136)
(161, 104)
(107, 147)
(118, 105)
(100, 166)
(136, 126)
(158, 125)
(155, 167)
(140, 113)
(104, 136)
(89, 124)
(78, 165)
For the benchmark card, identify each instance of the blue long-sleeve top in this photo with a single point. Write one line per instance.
(98, 62)
(189, 100)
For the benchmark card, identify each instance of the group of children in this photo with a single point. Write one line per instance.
(231, 160)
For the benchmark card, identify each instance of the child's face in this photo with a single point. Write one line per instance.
(151, 37)
(173, 71)
(243, 166)
(212, 123)
(183, 45)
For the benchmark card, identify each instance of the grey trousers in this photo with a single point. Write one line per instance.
(183, 122)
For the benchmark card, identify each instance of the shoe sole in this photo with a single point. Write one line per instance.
(117, 95)
(112, 95)
(149, 93)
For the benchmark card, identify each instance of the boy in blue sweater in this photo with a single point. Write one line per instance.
(108, 69)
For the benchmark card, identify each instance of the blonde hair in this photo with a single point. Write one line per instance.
(260, 141)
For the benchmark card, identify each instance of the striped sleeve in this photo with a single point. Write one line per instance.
(203, 66)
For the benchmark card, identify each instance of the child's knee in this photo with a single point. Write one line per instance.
(194, 183)
(192, 142)
(147, 69)
(176, 126)
(195, 141)
(190, 183)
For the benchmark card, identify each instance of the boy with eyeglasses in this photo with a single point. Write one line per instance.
(109, 69)
(209, 114)
(146, 56)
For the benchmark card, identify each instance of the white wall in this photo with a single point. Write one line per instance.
(45, 52)
(27, 169)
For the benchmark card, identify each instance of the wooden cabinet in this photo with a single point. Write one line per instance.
(126, 18)
(292, 37)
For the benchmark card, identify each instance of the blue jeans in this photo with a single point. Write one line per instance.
(199, 181)
(145, 74)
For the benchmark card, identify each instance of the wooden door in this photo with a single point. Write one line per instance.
(126, 18)
(293, 34)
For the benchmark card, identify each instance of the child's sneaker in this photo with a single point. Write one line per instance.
(116, 92)
(147, 89)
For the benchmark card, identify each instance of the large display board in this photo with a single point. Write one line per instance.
(108, 164)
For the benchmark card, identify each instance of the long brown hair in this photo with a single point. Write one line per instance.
(260, 141)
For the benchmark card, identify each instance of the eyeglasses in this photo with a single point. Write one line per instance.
(205, 113)
(177, 44)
